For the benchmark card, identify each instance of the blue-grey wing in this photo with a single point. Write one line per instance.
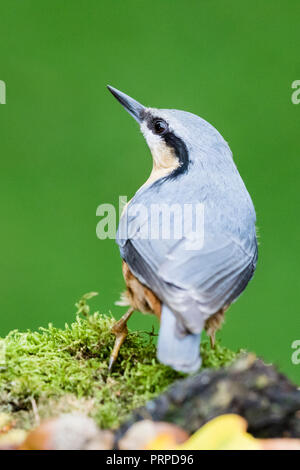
(193, 283)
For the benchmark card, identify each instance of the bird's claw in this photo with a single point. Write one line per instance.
(111, 364)
(120, 330)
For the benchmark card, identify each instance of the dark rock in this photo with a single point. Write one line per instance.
(265, 398)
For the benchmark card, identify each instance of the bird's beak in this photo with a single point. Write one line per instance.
(133, 107)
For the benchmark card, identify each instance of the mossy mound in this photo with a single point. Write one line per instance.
(55, 370)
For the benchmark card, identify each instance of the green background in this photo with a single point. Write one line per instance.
(67, 146)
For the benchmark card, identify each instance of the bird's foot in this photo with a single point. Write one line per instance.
(212, 340)
(120, 331)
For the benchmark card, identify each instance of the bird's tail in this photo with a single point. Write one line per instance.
(181, 353)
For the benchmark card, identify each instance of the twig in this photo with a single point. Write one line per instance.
(37, 418)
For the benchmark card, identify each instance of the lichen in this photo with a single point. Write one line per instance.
(51, 371)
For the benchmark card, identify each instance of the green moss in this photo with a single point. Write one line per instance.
(220, 356)
(57, 370)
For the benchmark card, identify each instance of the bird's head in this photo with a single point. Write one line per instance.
(177, 139)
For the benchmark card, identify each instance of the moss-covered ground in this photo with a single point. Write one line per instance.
(53, 370)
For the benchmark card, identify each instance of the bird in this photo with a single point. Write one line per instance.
(187, 281)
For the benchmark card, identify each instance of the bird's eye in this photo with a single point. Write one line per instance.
(160, 126)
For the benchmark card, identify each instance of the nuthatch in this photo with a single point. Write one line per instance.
(188, 289)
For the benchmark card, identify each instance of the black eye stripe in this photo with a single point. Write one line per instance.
(173, 142)
(181, 153)
(157, 125)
